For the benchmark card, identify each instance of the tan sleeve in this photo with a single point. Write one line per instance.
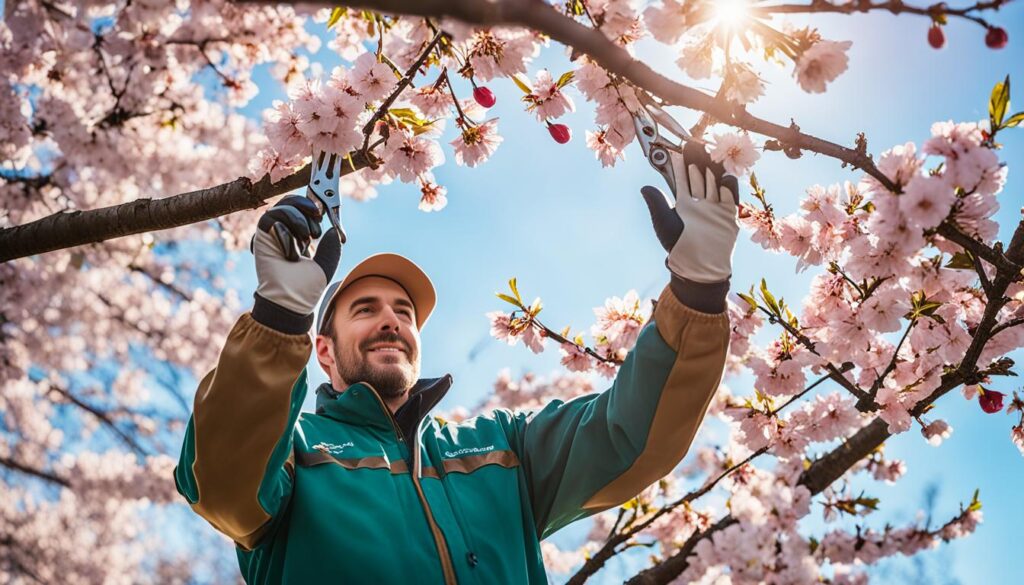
(245, 411)
(700, 342)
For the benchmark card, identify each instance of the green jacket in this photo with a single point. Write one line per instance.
(343, 496)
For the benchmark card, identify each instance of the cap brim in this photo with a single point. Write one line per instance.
(395, 267)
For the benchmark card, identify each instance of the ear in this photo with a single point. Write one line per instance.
(325, 353)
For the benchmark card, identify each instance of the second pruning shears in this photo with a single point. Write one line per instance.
(648, 120)
(323, 187)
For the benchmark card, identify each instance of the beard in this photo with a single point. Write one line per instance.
(390, 380)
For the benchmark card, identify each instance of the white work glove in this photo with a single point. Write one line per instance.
(289, 280)
(699, 233)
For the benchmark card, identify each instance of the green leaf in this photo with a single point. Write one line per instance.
(336, 15)
(792, 319)
(769, 298)
(871, 503)
(410, 118)
(526, 88)
(565, 79)
(998, 102)
(508, 299)
(1014, 120)
(975, 502)
(960, 261)
(515, 290)
(754, 184)
(750, 300)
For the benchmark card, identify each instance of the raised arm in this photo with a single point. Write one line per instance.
(597, 451)
(236, 466)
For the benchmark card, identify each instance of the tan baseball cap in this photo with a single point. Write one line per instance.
(399, 269)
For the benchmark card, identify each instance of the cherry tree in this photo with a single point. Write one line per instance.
(123, 141)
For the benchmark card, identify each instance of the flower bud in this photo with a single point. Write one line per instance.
(996, 37)
(484, 96)
(560, 132)
(936, 38)
(991, 401)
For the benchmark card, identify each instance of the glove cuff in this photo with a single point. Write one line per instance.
(700, 296)
(280, 319)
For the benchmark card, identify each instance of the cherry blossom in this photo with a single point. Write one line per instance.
(735, 151)
(371, 79)
(433, 196)
(477, 143)
(547, 99)
(102, 105)
(821, 64)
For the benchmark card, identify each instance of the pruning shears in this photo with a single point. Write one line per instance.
(323, 187)
(648, 120)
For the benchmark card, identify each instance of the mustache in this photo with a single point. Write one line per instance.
(386, 338)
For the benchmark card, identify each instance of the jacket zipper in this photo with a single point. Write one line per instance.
(453, 501)
(442, 546)
(387, 411)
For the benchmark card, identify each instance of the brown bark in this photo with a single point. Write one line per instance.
(74, 228)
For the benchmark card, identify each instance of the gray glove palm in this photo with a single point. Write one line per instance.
(287, 276)
(699, 232)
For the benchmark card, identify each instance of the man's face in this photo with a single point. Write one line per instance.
(375, 338)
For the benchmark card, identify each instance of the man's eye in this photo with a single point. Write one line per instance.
(360, 310)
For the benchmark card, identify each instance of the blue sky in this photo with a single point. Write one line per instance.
(574, 233)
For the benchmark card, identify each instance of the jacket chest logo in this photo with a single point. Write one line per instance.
(332, 448)
(468, 451)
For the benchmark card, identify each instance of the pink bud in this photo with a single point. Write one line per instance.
(991, 401)
(560, 132)
(936, 38)
(484, 96)
(996, 37)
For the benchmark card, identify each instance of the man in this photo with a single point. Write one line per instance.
(369, 489)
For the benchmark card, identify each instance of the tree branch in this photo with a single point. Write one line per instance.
(830, 467)
(103, 417)
(894, 6)
(74, 228)
(38, 473)
(545, 18)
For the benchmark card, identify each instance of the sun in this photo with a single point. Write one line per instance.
(730, 13)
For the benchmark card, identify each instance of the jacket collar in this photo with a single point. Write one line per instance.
(360, 404)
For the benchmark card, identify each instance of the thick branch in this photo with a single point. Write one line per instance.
(545, 18)
(74, 228)
(830, 467)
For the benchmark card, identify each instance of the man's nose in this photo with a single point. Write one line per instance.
(389, 320)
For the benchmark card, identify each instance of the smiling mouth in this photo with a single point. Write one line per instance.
(386, 350)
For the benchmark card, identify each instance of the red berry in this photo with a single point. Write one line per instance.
(936, 38)
(484, 97)
(996, 37)
(560, 132)
(990, 401)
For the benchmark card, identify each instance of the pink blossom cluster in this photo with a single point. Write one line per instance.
(105, 103)
(618, 325)
(891, 307)
(869, 546)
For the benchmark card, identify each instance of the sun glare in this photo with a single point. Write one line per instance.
(730, 13)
